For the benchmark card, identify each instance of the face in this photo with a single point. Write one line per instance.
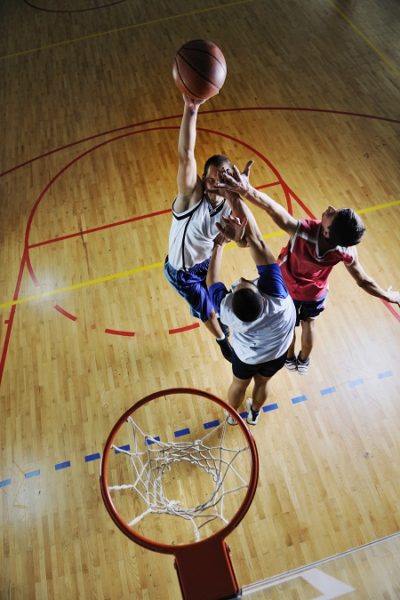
(327, 219)
(212, 177)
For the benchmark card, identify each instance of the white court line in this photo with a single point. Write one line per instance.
(311, 574)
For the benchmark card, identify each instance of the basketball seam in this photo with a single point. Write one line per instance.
(196, 70)
(184, 84)
(223, 64)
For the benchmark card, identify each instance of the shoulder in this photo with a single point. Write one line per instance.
(184, 202)
(348, 254)
(271, 281)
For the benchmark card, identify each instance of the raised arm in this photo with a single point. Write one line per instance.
(370, 286)
(241, 185)
(189, 185)
(231, 229)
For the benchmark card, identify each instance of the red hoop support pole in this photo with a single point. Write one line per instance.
(205, 572)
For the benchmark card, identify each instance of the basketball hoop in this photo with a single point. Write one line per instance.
(203, 485)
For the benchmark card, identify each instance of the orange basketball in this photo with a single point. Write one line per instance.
(199, 69)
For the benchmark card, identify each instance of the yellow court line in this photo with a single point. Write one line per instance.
(126, 28)
(378, 207)
(158, 265)
(359, 32)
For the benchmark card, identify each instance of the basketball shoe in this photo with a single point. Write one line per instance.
(252, 415)
(291, 363)
(302, 365)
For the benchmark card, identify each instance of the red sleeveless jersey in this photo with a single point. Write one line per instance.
(304, 269)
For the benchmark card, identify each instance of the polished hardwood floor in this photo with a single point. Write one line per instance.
(89, 324)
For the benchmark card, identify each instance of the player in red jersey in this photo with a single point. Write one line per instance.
(314, 248)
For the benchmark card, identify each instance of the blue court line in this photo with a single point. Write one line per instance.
(385, 374)
(62, 465)
(298, 399)
(90, 457)
(31, 474)
(356, 382)
(326, 391)
(181, 432)
(121, 448)
(269, 407)
(152, 440)
(210, 424)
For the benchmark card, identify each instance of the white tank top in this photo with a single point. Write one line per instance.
(192, 233)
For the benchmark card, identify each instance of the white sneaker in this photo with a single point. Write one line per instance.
(252, 416)
(291, 364)
(303, 366)
(230, 420)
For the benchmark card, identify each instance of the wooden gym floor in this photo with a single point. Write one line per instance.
(89, 325)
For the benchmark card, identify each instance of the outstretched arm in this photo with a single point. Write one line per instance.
(189, 185)
(214, 267)
(370, 286)
(240, 184)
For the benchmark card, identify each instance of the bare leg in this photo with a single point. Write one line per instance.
(237, 390)
(260, 392)
(290, 352)
(307, 338)
(213, 326)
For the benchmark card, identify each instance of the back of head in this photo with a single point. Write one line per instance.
(217, 160)
(347, 228)
(247, 304)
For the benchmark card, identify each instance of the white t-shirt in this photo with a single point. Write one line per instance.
(192, 233)
(270, 335)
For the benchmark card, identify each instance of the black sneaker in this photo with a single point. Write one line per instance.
(226, 349)
(224, 328)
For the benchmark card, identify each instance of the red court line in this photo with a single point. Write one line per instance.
(204, 112)
(391, 308)
(11, 317)
(65, 312)
(124, 333)
(186, 328)
(100, 228)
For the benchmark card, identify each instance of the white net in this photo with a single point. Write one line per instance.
(152, 461)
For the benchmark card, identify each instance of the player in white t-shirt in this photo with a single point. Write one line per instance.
(196, 212)
(260, 313)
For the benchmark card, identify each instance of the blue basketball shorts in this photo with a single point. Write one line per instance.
(308, 310)
(191, 285)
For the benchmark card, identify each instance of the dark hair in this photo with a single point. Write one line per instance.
(217, 160)
(247, 304)
(347, 228)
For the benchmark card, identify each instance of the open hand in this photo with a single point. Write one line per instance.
(232, 228)
(237, 183)
(394, 297)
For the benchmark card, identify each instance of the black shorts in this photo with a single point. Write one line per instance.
(243, 370)
(308, 310)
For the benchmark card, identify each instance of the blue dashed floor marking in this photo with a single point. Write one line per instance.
(385, 374)
(211, 424)
(298, 399)
(90, 457)
(62, 465)
(356, 382)
(151, 440)
(31, 474)
(327, 391)
(121, 448)
(181, 432)
(269, 407)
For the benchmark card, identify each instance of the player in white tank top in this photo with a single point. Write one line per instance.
(196, 211)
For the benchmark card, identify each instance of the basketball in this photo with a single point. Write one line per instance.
(199, 69)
